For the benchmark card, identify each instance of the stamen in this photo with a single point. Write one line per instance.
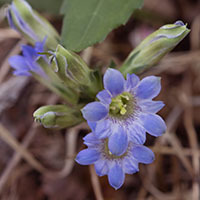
(123, 111)
(122, 105)
(109, 153)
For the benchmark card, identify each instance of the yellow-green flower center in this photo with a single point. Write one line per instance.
(122, 105)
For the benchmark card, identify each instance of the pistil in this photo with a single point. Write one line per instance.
(109, 154)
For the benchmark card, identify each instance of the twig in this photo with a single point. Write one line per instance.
(95, 183)
(10, 91)
(173, 140)
(71, 136)
(87, 54)
(194, 35)
(16, 158)
(153, 190)
(171, 151)
(142, 193)
(71, 139)
(7, 33)
(176, 148)
(10, 140)
(181, 60)
(173, 117)
(192, 135)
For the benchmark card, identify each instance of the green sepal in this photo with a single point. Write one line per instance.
(74, 72)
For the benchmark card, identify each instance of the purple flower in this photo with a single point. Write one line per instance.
(125, 111)
(106, 163)
(26, 63)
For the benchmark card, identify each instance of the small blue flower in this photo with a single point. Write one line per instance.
(27, 62)
(106, 163)
(125, 111)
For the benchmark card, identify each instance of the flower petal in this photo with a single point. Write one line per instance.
(102, 129)
(104, 97)
(153, 124)
(131, 81)
(18, 62)
(148, 87)
(101, 167)
(94, 111)
(39, 46)
(21, 73)
(87, 156)
(143, 154)
(116, 176)
(29, 52)
(130, 165)
(113, 81)
(136, 133)
(91, 140)
(10, 19)
(118, 141)
(151, 106)
(92, 125)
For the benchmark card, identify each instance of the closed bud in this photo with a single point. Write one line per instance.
(31, 24)
(57, 116)
(150, 51)
(72, 69)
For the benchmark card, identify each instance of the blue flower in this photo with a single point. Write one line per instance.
(26, 63)
(125, 111)
(106, 163)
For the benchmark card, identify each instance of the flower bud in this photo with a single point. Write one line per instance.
(31, 24)
(57, 116)
(72, 69)
(150, 51)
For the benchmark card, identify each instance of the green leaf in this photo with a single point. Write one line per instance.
(87, 22)
(49, 6)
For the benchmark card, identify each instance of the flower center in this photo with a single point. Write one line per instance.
(122, 105)
(109, 154)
